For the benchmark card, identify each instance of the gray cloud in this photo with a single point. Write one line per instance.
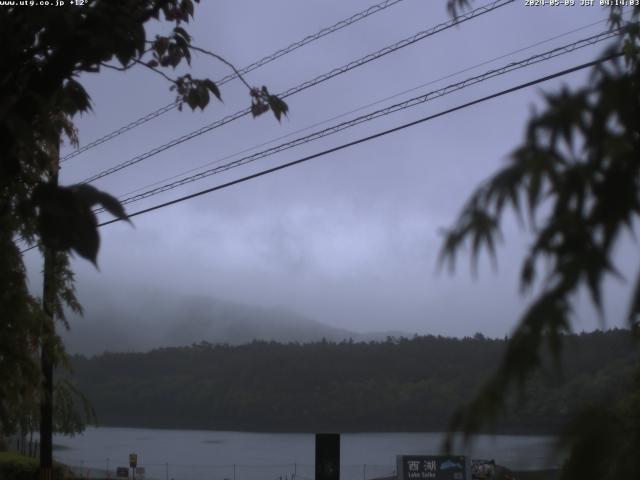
(350, 239)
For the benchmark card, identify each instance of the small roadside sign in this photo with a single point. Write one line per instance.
(133, 460)
(122, 472)
(140, 472)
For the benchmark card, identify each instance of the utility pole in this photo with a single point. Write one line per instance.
(46, 353)
(327, 456)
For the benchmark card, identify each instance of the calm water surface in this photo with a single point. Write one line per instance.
(214, 455)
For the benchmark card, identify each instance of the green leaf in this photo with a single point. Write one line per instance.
(192, 98)
(161, 45)
(140, 39)
(258, 108)
(123, 57)
(182, 40)
(203, 95)
(278, 106)
(527, 274)
(181, 32)
(66, 220)
(186, 7)
(213, 88)
(76, 98)
(92, 196)
(86, 239)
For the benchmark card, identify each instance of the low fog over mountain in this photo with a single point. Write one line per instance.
(154, 318)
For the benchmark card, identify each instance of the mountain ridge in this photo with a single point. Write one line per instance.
(155, 319)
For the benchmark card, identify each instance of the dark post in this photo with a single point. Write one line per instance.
(46, 363)
(46, 357)
(327, 456)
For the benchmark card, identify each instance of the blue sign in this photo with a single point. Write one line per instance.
(432, 467)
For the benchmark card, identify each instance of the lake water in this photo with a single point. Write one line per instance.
(214, 455)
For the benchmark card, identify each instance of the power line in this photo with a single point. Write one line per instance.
(370, 137)
(355, 110)
(421, 99)
(310, 83)
(470, 15)
(363, 139)
(263, 61)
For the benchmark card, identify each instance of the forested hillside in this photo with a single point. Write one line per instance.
(397, 385)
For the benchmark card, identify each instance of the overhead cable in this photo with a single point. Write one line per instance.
(305, 85)
(415, 101)
(263, 61)
(368, 138)
(357, 109)
(360, 140)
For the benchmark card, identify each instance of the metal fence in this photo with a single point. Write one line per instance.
(106, 468)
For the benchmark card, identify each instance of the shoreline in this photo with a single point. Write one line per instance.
(487, 432)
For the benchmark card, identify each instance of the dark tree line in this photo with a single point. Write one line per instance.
(398, 385)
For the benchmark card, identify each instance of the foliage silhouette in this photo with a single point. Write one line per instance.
(44, 55)
(396, 385)
(576, 180)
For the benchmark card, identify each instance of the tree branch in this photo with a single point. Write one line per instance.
(119, 69)
(159, 72)
(226, 62)
(127, 67)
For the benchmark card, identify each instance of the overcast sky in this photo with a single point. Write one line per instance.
(352, 238)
